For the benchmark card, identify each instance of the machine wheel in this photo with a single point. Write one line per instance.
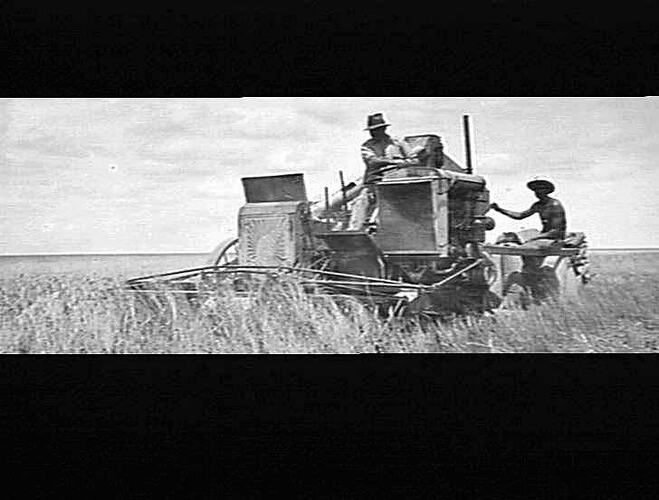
(548, 286)
(516, 294)
(452, 301)
(225, 254)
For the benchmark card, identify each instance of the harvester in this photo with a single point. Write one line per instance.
(423, 253)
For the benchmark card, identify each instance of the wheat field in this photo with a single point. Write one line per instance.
(78, 313)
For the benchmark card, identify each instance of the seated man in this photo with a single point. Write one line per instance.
(380, 154)
(552, 215)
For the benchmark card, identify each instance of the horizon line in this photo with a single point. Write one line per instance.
(82, 254)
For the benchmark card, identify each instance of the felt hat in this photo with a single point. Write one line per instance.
(376, 121)
(541, 183)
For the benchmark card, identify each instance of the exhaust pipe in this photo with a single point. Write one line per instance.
(320, 209)
(465, 119)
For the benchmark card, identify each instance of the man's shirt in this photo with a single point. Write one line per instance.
(553, 217)
(387, 148)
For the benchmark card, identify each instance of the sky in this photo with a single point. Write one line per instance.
(163, 175)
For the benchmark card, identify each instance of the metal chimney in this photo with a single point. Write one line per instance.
(465, 119)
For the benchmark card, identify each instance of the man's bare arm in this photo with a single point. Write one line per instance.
(514, 215)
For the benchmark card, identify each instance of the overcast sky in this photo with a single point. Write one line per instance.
(163, 175)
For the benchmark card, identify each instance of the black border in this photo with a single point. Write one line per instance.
(495, 48)
(331, 427)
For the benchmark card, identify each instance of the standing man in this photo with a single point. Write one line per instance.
(380, 153)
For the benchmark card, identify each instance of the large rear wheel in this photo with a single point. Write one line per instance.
(225, 254)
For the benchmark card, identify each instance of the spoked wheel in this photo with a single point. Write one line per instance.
(225, 254)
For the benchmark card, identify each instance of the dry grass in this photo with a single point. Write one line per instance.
(90, 314)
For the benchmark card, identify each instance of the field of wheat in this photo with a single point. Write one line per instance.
(71, 313)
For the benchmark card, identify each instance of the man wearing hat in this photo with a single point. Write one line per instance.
(552, 215)
(382, 150)
(551, 211)
(380, 154)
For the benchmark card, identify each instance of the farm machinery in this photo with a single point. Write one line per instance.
(423, 253)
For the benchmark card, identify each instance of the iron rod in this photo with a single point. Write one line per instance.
(327, 208)
(368, 293)
(345, 200)
(352, 276)
(459, 273)
(231, 269)
(315, 271)
(343, 190)
(354, 283)
(172, 273)
(345, 284)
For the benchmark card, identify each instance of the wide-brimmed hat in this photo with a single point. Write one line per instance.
(376, 121)
(541, 183)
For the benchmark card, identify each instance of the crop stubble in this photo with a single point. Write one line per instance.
(77, 313)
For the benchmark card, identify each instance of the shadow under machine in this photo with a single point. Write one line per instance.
(424, 252)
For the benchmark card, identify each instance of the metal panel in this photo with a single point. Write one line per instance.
(275, 188)
(354, 253)
(451, 165)
(267, 241)
(407, 172)
(271, 234)
(432, 144)
(409, 213)
(350, 241)
(441, 215)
